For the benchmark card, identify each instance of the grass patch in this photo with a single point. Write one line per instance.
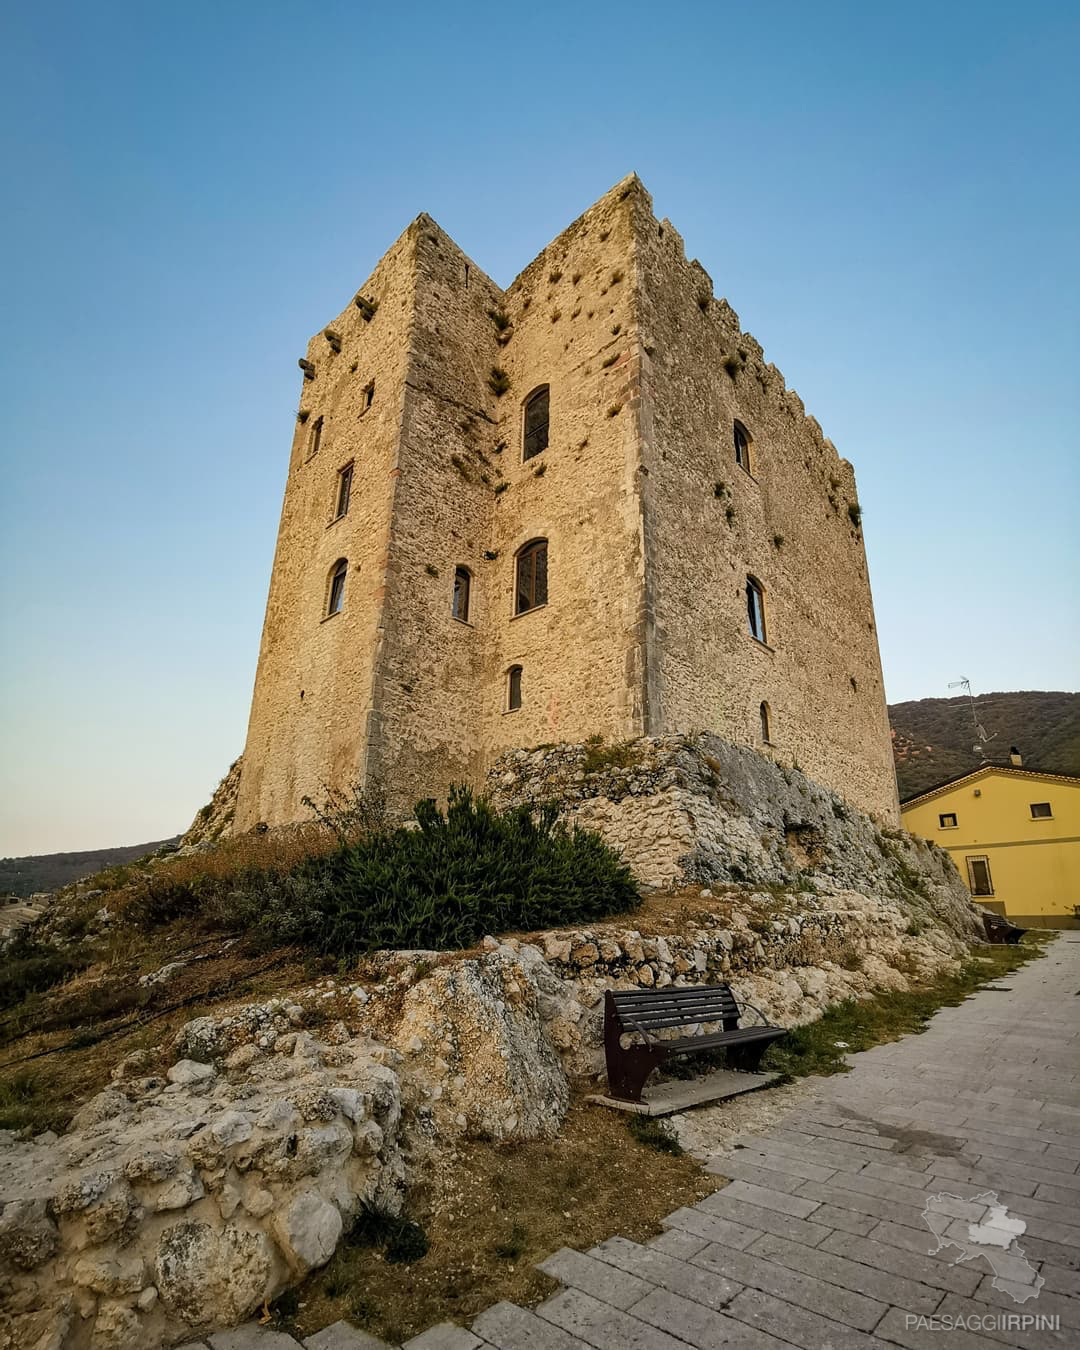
(598, 756)
(31, 967)
(647, 1130)
(853, 1025)
(25, 1102)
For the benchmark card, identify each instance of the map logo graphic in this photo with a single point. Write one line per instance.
(992, 1234)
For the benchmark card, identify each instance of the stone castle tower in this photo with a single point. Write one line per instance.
(583, 505)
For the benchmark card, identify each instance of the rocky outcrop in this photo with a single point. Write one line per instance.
(214, 820)
(180, 1203)
(703, 810)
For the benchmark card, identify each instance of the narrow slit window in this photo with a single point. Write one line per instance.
(755, 608)
(315, 437)
(947, 820)
(766, 720)
(741, 438)
(344, 491)
(462, 585)
(369, 395)
(336, 598)
(531, 589)
(1041, 811)
(979, 882)
(513, 689)
(537, 411)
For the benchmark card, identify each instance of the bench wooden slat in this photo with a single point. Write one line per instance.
(640, 1012)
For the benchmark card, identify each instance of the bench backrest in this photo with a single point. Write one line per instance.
(654, 1009)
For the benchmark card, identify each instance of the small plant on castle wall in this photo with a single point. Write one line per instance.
(366, 307)
(539, 471)
(703, 302)
(610, 361)
(614, 410)
(499, 448)
(616, 329)
(555, 277)
(778, 541)
(500, 488)
(462, 467)
(855, 514)
(500, 319)
(498, 381)
(431, 569)
(719, 488)
(491, 554)
(733, 363)
(303, 415)
(730, 514)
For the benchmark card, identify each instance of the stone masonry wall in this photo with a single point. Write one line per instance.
(651, 528)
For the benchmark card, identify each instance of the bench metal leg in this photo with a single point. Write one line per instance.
(629, 1069)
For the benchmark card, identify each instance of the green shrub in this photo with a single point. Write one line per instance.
(598, 756)
(402, 1241)
(30, 967)
(650, 1132)
(459, 875)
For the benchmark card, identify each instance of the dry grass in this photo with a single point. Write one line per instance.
(491, 1212)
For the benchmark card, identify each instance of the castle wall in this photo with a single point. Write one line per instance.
(710, 524)
(429, 687)
(651, 526)
(572, 312)
(314, 682)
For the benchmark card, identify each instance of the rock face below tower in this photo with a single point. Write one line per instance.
(580, 506)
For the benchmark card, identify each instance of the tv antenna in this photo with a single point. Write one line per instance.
(981, 735)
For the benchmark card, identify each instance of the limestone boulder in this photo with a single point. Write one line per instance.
(473, 1037)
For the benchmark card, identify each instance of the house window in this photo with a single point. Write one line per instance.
(336, 596)
(344, 489)
(531, 589)
(462, 581)
(979, 882)
(947, 821)
(741, 437)
(755, 608)
(535, 437)
(1041, 811)
(315, 437)
(513, 689)
(765, 720)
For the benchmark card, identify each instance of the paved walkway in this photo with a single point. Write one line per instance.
(821, 1239)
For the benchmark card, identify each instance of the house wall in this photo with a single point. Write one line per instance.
(1034, 864)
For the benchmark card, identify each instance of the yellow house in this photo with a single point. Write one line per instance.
(1014, 834)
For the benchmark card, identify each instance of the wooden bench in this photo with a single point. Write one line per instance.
(642, 1013)
(999, 929)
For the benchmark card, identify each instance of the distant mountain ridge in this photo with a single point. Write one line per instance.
(50, 871)
(933, 737)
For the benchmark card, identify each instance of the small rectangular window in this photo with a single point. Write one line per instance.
(461, 594)
(513, 689)
(315, 437)
(1041, 811)
(947, 821)
(537, 413)
(979, 882)
(344, 491)
(755, 609)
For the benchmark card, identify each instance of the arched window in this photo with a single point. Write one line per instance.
(336, 594)
(462, 583)
(741, 438)
(513, 689)
(535, 427)
(765, 728)
(755, 608)
(315, 437)
(531, 588)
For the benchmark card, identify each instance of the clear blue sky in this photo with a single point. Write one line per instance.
(887, 195)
